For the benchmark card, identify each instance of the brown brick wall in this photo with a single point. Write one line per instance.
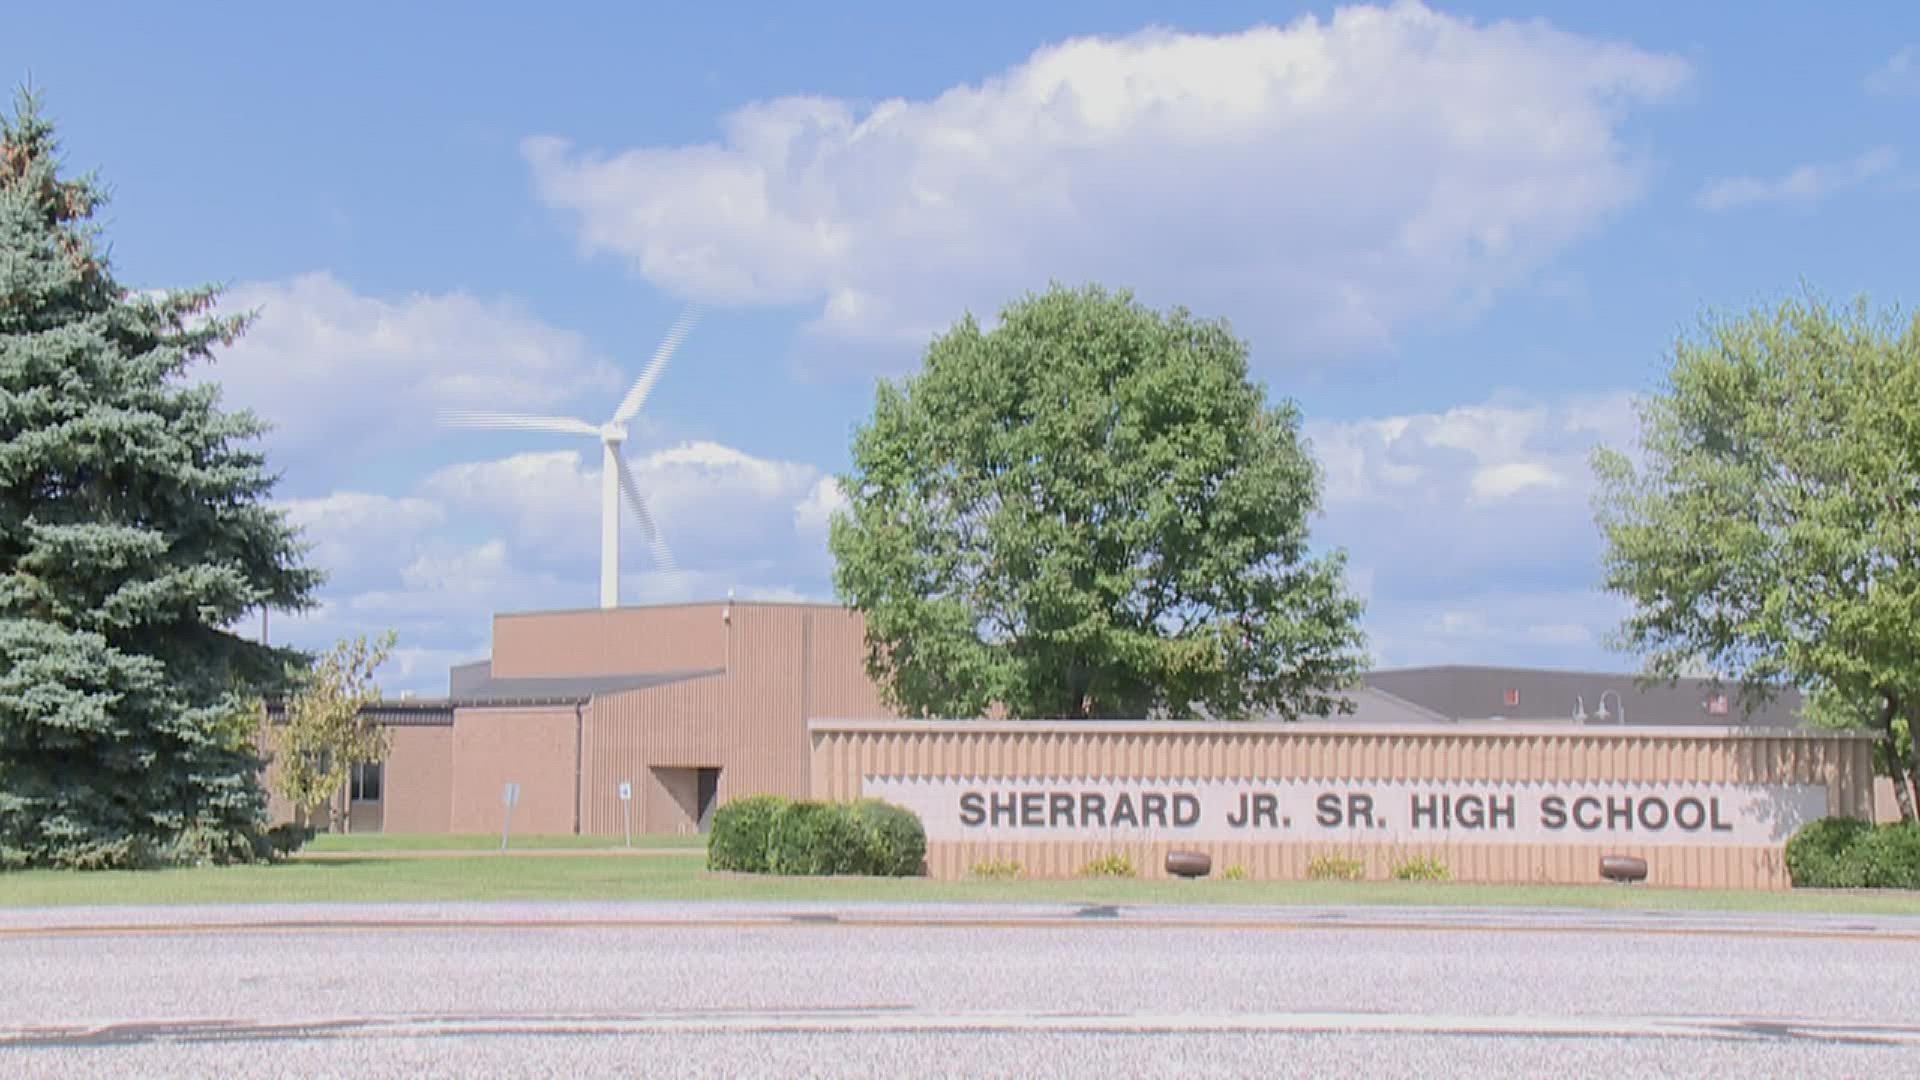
(533, 747)
(418, 784)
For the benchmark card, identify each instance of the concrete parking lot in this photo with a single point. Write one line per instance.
(731, 990)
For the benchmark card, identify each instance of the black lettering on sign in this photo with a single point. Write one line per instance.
(1266, 810)
(1619, 813)
(1499, 809)
(1124, 812)
(1689, 807)
(1429, 809)
(1470, 811)
(1093, 809)
(1586, 823)
(1328, 812)
(1006, 808)
(1360, 810)
(1060, 809)
(1653, 814)
(1153, 809)
(1553, 812)
(1033, 809)
(973, 809)
(1718, 825)
(1186, 810)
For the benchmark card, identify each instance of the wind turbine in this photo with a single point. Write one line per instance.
(615, 478)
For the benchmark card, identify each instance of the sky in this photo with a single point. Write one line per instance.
(1462, 237)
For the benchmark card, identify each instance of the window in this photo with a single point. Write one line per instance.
(366, 782)
(1513, 697)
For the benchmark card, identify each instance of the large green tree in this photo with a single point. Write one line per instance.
(1092, 511)
(1772, 526)
(134, 531)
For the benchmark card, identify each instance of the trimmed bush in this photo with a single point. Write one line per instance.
(1236, 872)
(1888, 857)
(1820, 855)
(895, 841)
(772, 834)
(741, 831)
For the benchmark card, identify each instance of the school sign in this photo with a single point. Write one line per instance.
(970, 809)
(1707, 807)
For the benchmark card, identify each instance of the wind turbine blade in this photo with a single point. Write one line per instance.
(637, 396)
(655, 542)
(499, 421)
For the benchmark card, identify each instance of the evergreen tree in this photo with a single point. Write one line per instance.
(134, 531)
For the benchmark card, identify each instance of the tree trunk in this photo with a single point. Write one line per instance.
(1903, 777)
(1902, 780)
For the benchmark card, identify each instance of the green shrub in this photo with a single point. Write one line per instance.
(894, 841)
(771, 834)
(1336, 868)
(1002, 869)
(284, 840)
(740, 833)
(1118, 864)
(1822, 854)
(1421, 868)
(816, 838)
(1236, 872)
(1888, 858)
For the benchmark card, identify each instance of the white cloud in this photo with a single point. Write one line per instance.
(1804, 185)
(1495, 482)
(340, 374)
(1898, 77)
(1332, 179)
(709, 500)
(353, 532)
(1471, 529)
(815, 512)
(1489, 624)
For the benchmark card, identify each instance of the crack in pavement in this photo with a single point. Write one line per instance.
(906, 1020)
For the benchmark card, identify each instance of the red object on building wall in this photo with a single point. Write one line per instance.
(1513, 697)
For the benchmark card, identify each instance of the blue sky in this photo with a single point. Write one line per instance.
(1461, 242)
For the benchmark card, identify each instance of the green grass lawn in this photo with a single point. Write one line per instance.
(599, 877)
(329, 843)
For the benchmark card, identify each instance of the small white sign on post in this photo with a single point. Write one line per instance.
(510, 796)
(626, 808)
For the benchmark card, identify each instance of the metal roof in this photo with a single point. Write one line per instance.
(474, 684)
(1474, 692)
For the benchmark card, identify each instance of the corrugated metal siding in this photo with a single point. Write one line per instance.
(844, 752)
(607, 642)
(748, 722)
(837, 658)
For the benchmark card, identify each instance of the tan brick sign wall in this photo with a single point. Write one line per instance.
(1707, 807)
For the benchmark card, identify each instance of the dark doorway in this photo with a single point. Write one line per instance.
(708, 794)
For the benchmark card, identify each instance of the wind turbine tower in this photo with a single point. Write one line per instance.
(616, 479)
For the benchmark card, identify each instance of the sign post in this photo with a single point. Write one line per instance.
(510, 796)
(626, 808)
